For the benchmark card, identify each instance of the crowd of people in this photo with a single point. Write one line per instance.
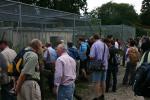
(96, 57)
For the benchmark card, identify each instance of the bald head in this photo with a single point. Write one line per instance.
(61, 49)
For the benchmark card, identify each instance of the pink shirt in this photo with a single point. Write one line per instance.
(65, 70)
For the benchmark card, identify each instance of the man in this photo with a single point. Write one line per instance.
(73, 52)
(8, 56)
(65, 74)
(144, 45)
(99, 77)
(131, 66)
(112, 67)
(50, 57)
(3, 74)
(143, 84)
(83, 58)
(27, 85)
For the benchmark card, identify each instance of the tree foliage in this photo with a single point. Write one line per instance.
(113, 13)
(73, 6)
(145, 15)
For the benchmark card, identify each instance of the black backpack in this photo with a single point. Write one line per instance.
(141, 86)
(14, 69)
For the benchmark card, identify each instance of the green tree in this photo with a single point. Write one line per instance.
(73, 6)
(145, 15)
(113, 13)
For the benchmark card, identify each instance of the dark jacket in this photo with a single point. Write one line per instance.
(113, 58)
(73, 53)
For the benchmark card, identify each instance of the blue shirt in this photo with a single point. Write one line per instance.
(82, 51)
(52, 54)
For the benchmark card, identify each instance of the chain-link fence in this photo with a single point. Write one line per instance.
(20, 23)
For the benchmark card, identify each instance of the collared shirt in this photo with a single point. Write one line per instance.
(97, 51)
(9, 55)
(52, 54)
(82, 51)
(65, 70)
(31, 64)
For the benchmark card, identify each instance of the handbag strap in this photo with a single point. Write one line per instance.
(104, 52)
(48, 55)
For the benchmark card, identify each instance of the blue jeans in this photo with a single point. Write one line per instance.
(99, 76)
(111, 75)
(129, 74)
(66, 92)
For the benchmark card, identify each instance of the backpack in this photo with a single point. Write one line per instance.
(141, 86)
(14, 69)
(133, 55)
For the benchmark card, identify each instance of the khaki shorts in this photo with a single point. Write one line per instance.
(30, 91)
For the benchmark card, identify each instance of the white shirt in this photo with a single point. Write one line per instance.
(116, 45)
(9, 55)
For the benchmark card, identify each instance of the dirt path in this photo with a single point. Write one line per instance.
(123, 92)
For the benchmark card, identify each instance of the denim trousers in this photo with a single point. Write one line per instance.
(129, 73)
(65, 92)
(112, 73)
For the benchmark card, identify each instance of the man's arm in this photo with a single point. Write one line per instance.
(58, 75)
(58, 72)
(20, 81)
(92, 53)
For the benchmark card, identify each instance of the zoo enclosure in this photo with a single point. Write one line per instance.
(19, 23)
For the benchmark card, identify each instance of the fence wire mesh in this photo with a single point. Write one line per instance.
(20, 23)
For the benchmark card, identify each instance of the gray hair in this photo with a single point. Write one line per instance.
(62, 46)
(35, 43)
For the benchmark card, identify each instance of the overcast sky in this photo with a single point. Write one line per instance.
(96, 3)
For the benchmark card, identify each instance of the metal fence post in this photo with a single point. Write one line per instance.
(122, 32)
(74, 26)
(20, 26)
